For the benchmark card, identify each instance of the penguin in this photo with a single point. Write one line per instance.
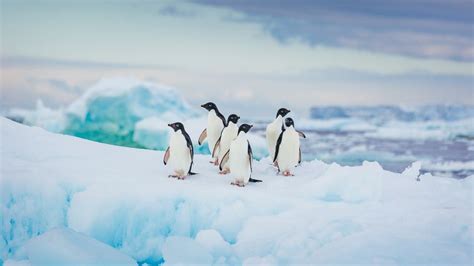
(287, 149)
(240, 158)
(229, 133)
(274, 129)
(180, 152)
(215, 124)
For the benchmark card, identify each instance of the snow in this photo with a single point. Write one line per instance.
(394, 129)
(47, 118)
(326, 214)
(62, 246)
(449, 165)
(388, 112)
(179, 250)
(438, 130)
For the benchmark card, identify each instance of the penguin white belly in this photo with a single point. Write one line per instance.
(228, 135)
(214, 128)
(289, 151)
(239, 163)
(180, 156)
(273, 132)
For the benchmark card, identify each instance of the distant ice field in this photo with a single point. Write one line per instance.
(442, 157)
(134, 113)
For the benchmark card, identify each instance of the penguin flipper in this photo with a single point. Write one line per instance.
(250, 153)
(166, 156)
(301, 134)
(216, 147)
(224, 160)
(299, 157)
(255, 180)
(277, 147)
(203, 136)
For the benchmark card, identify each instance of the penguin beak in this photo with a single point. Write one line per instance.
(171, 125)
(203, 105)
(250, 126)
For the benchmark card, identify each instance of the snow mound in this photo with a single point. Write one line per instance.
(63, 246)
(325, 214)
(179, 250)
(47, 118)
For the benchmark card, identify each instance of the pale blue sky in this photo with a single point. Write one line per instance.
(294, 53)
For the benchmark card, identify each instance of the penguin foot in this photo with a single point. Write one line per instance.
(287, 173)
(181, 177)
(224, 172)
(173, 176)
(237, 183)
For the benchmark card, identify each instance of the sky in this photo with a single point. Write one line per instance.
(242, 53)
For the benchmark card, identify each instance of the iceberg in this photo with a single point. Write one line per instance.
(126, 112)
(120, 198)
(110, 110)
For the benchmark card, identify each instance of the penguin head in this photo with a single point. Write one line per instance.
(233, 118)
(245, 128)
(176, 126)
(282, 112)
(209, 106)
(289, 122)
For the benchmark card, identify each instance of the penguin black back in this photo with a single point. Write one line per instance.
(209, 106)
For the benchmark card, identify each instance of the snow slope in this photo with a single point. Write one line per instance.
(326, 214)
(62, 246)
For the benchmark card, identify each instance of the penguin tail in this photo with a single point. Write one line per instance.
(192, 173)
(255, 180)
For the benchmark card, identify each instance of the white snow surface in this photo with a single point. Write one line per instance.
(419, 130)
(325, 214)
(63, 246)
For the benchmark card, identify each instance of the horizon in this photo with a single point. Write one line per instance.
(326, 54)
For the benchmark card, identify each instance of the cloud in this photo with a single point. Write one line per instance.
(421, 28)
(175, 11)
(54, 84)
(33, 61)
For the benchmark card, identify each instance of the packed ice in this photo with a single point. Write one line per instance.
(119, 203)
